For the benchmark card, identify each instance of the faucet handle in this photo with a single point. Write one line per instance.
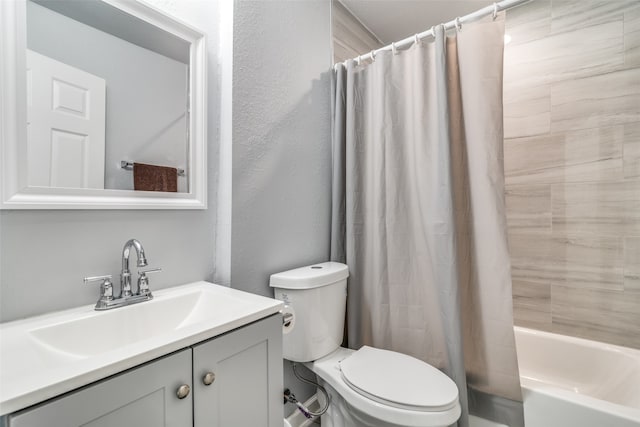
(143, 281)
(106, 290)
(96, 278)
(151, 270)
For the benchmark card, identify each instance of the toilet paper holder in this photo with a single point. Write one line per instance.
(287, 319)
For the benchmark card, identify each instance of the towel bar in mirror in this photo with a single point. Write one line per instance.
(128, 165)
(87, 84)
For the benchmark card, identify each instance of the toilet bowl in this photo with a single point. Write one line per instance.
(372, 387)
(368, 386)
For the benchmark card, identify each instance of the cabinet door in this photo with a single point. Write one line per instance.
(247, 389)
(142, 397)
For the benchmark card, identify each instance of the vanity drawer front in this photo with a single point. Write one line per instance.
(144, 396)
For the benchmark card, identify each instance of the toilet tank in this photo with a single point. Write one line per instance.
(316, 296)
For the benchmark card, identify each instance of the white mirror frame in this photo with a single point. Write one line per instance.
(13, 112)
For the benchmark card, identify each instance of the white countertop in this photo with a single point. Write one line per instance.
(44, 356)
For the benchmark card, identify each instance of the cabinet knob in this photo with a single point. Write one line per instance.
(183, 391)
(209, 378)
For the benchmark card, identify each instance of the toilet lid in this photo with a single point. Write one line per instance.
(398, 380)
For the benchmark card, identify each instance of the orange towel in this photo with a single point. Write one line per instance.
(154, 178)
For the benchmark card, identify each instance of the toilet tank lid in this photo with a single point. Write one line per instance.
(311, 276)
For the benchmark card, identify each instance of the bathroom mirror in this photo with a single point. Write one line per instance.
(92, 90)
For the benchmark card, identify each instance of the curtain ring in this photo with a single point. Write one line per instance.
(433, 31)
(393, 48)
(495, 11)
(359, 59)
(416, 39)
(458, 24)
(373, 55)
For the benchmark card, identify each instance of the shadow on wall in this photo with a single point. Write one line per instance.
(281, 196)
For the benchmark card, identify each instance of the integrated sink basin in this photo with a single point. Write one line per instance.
(48, 355)
(100, 332)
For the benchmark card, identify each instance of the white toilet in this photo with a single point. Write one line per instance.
(367, 387)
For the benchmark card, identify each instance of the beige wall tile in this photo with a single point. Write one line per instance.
(607, 169)
(632, 150)
(528, 208)
(632, 263)
(632, 37)
(530, 21)
(572, 125)
(599, 101)
(532, 304)
(519, 125)
(588, 262)
(527, 111)
(575, 156)
(515, 92)
(570, 15)
(609, 316)
(605, 208)
(580, 261)
(632, 18)
(530, 258)
(580, 53)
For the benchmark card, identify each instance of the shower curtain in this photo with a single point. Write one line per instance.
(418, 212)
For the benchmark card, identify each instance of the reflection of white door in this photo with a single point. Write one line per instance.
(66, 125)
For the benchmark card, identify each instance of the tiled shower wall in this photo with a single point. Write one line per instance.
(572, 165)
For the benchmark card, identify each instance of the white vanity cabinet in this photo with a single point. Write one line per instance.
(237, 378)
(143, 396)
(244, 388)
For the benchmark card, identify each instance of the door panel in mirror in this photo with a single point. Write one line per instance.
(65, 125)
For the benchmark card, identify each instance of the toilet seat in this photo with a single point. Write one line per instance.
(398, 380)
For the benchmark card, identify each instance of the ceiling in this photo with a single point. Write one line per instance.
(392, 20)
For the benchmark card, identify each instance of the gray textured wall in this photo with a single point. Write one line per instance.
(281, 144)
(281, 139)
(45, 254)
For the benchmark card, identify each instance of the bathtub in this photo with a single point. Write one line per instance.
(573, 382)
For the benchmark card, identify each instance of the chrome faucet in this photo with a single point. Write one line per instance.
(127, 297)
(125, 275)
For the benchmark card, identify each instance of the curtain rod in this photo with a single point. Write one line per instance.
(473, 16)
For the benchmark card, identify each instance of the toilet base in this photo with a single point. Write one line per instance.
(341, 414)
